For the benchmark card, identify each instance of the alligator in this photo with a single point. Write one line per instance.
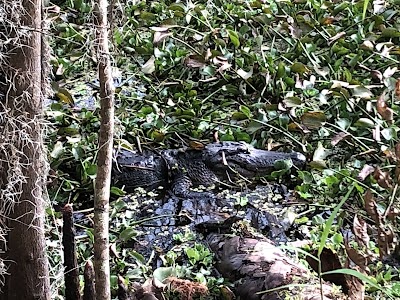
(215, 164)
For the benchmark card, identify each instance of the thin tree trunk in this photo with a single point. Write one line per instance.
(103, 179)
(29, 271)
(71, 271)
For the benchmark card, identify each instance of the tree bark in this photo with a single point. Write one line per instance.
(29, 271)
(103, 179)
(71, 271)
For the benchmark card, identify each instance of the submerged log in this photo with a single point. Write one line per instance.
(255, 265)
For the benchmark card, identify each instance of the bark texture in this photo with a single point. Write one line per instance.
(103, 179)
(71, 272)
(89, 292)
(29, 271)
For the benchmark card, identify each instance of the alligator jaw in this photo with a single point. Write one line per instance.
(245, 159)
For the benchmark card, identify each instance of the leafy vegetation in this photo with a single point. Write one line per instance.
(319, 77)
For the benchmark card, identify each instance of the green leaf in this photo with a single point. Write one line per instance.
(329, 222)
(128, 234)
(208, 71)
(245, 110)
(242, 136)
(147, 16)
(390, 32)
(163, 273)
(116, 191)
(337, 239)
(238, 116)
(299, 68)
(139, 257)
(234, 37)
(281, 70)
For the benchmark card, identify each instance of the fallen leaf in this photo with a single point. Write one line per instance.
(159, 36)
(339, 137)
(314, 119)
(195, 61)
(382, 108)
(376, 76)
(336, 37)
(149, 67)
(196, 145)
(359, 258)
(371, 207)
(366, 170)
(360, 231)
(385, 240)
(245, 75)
(397, 88)
(383, 178)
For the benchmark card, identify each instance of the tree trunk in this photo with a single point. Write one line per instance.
(28, 266)
(103, 179)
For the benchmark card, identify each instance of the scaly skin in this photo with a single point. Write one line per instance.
(184, 168)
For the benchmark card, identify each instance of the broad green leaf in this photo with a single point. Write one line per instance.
(243, 136)
(245, 110)
(163, 273)
(147, 16)
(390, 32)
(116, 191)
(299, 68)
(127, 234)
(281, 70)
(234, 37)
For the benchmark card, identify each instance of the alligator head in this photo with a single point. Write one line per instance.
(244, 159)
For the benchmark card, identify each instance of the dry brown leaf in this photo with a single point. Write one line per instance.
(385, 112)
(385, 240)
(313, 119)
(360, 231)
(366, 170)
(397, 151)
(196, 145)
(383, 178)
(389, 154)
(356, 256)
(195, 61)
(371, 208)
(397, 88)
(356, 288)
(376, 76)
(397, 174)
(327, 20)
(393, 213)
